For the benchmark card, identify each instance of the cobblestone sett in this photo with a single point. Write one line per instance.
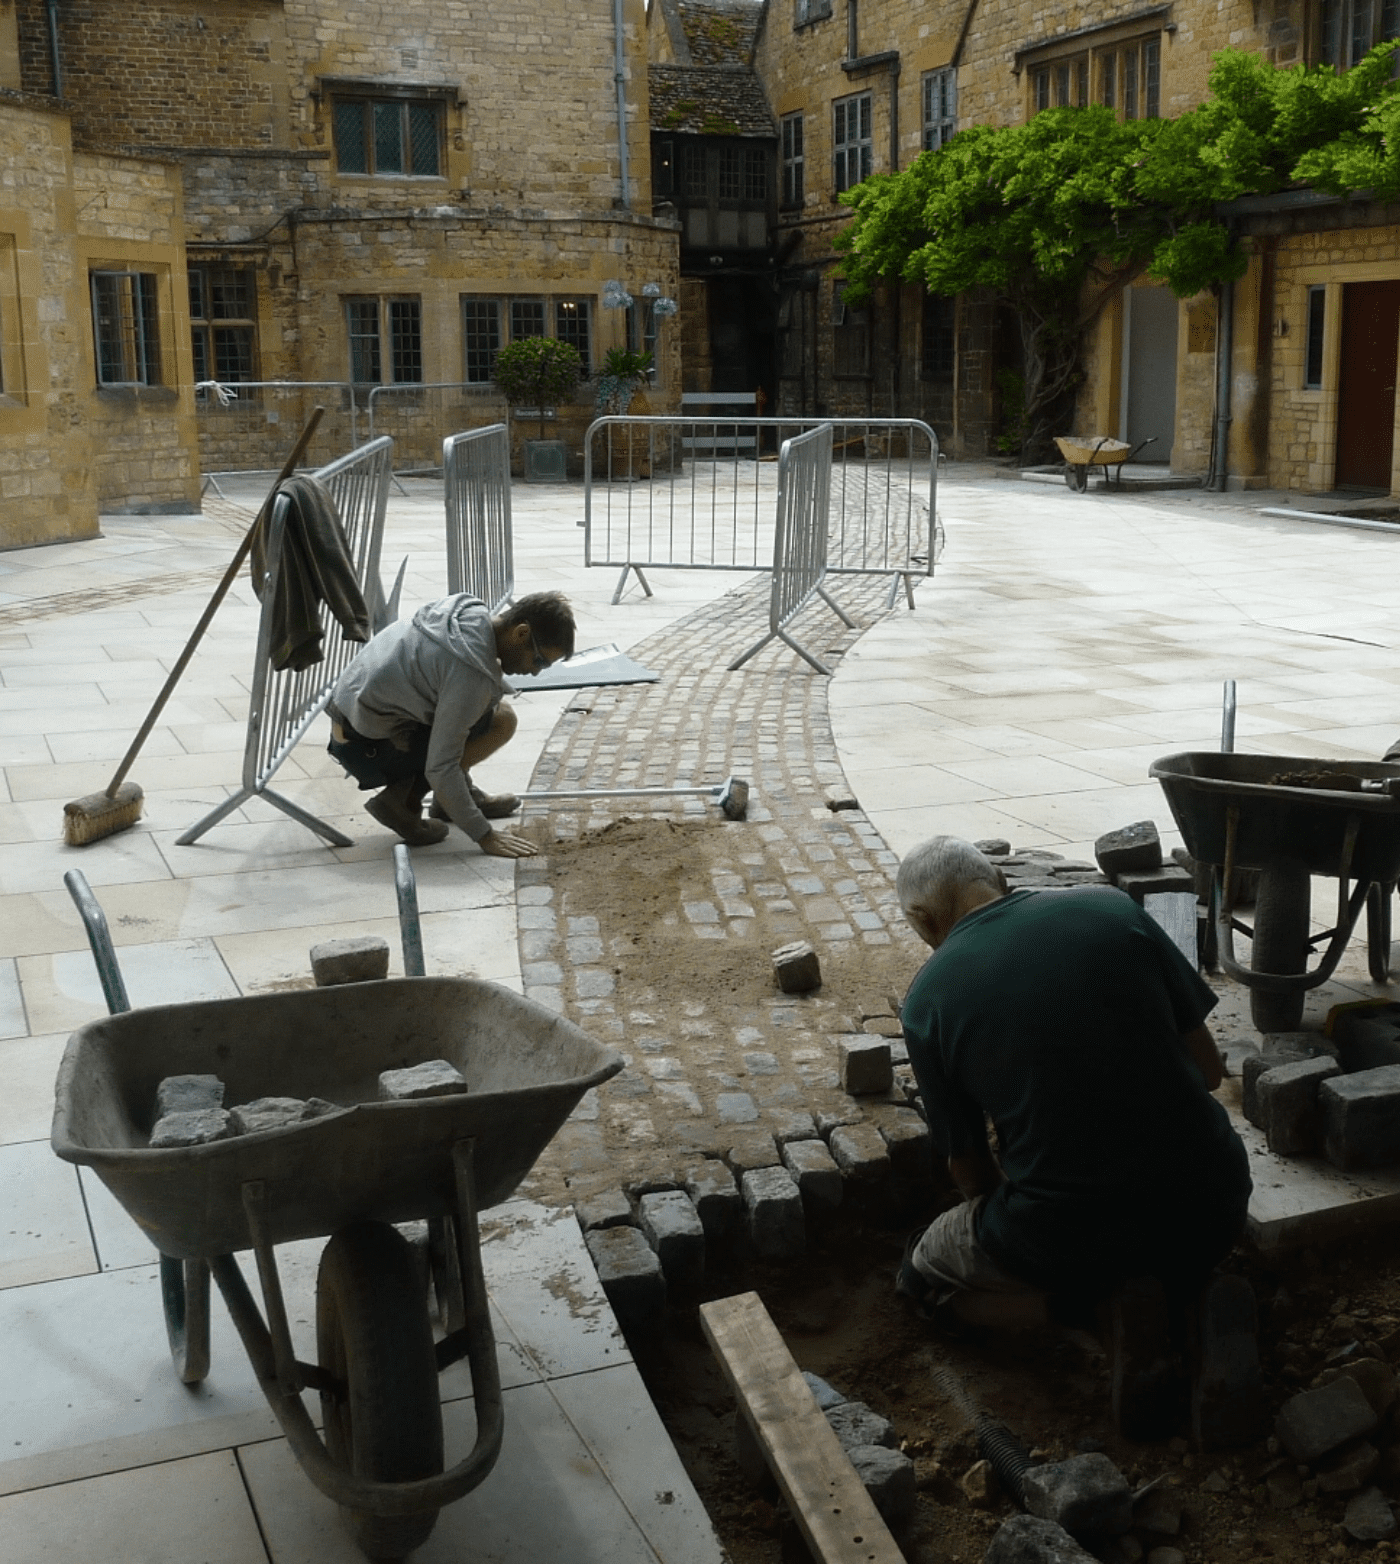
(773, 1212)
(813, 1167)
(673, 1228)
(860, 1152)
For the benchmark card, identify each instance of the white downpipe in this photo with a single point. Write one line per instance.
(620, 78)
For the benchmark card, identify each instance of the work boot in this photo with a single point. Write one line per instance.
(1227, 1388)
(393, 808)
(1146, 1384)
(495, 806)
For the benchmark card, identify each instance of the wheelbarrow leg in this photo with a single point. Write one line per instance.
(1378, 901)
(1281, 924)
(184, 1290)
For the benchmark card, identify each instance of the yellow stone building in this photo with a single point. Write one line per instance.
(1305, 398)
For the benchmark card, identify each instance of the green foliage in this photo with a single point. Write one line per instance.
(624, 373)
(535, 371)
(1055, 215)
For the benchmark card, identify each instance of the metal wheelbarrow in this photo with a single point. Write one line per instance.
(1081, 452)
(349, 1174)
(1290, 819)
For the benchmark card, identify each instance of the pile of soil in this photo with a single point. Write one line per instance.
(841, 1319)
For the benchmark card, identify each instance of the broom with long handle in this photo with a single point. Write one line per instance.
(119, 806)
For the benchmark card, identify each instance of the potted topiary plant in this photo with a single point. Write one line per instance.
(620, 389)
(535, 372)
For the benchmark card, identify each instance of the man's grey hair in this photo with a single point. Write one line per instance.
(933, 875)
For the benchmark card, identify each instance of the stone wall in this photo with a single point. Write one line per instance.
(47, 490)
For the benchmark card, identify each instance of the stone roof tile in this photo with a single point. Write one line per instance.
(708, 100)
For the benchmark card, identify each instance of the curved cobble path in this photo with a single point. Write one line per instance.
(715, 1066)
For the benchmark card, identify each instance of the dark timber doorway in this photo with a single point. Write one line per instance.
(1366, 388)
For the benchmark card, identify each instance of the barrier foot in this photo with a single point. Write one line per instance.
(622, 582)
(836, 609)
(752, 651)
(906, 579)
(213, 817)
(304, 817)
(802, 651)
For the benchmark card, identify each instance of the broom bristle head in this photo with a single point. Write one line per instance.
(90, 819)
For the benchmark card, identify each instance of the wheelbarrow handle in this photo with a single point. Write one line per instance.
(410, 926)
(100, 938)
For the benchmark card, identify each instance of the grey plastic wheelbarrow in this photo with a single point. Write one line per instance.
(350, 1174)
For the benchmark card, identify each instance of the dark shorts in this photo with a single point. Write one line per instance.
(376, 763)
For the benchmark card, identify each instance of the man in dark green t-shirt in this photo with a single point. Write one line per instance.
(1071, 1022)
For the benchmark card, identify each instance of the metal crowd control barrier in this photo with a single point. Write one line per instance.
(249, 432)
(476, 493)
(284, 703)
(421, 416)
(800, 540)
(652, 499)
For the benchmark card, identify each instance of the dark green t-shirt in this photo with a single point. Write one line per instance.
(1059, 1016)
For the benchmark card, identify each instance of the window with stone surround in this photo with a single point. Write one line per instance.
(806, 11)
(850, 336)
(940, 106)
(853, 140)
(938, 356)
(1118, 66)
(397, 136)
(792, 160)
(385, 334)
(126, 328)
(1312, 348)
(223, 323)
(489, 322)
(11, 336)
(1349, 29)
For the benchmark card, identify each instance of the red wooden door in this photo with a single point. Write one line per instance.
(1366, 400)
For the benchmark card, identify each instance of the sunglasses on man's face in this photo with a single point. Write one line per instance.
(541, 661)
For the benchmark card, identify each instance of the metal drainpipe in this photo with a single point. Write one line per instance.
(1224, 353)
(620, 79)
(55, 59)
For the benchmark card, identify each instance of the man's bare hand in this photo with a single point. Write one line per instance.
(501, 844)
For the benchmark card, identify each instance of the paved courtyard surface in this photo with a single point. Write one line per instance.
(1065, 643)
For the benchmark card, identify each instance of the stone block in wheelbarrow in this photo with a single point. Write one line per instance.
(365, 1159)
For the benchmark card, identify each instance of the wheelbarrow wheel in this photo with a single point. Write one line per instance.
(1077, 476)
(1281, 909)
(184, 1291)
(1378, 899)
(383, 1420)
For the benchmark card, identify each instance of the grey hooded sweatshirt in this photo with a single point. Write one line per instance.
(438, 670)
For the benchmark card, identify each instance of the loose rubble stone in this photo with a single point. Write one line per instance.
(993, 847)
(773, 1210)
(855, 1424)
(1369, 1517)
(630, 1272)
(1132, 849)
(191, 1129)
(818, 1178)
(860, 1152)
(910, 1147)
(1287, 1103)
(673, 1229)
(608, 1208)
(1315, 1422)
(715, 1196)
(362, 960)
(1086, 1494)
(882, 1026)
(888, 1476)
(796, 968)
(1361, 1118)
(189, 1094)
(1376, 1378)
(1158, 1512)
(267, 1113)
(1349, 1469)
(979, 1485)
(1277, 1048)
(826, 1396)
(432, 1078)
(1027, 1539)
(864, 1065)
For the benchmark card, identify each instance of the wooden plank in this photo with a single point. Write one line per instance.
(827, 1499)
